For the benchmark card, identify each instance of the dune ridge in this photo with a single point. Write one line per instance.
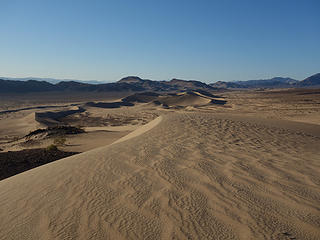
(140, 130)
(191, 176)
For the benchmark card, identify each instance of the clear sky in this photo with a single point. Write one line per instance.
(160, 39)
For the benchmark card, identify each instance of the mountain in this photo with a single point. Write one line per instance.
(311, 81)
(131, 83)
(276, 82)
(137, 84)
(51, 80)
(147, 84)
(172, 85)
(273, 82)
(221, 84)
(191, 84)
(131, 79)
(9, 86)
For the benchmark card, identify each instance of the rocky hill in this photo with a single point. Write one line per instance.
(276, 82)
(311, 81)
(137, 84)
(134, 84)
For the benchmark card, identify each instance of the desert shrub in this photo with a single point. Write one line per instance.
(52, 147)
(16, 138)
(35, 132)
(80, 128)
(59, 141)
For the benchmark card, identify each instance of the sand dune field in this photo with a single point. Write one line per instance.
(221, 173)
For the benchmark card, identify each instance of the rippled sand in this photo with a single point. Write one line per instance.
(188, 176)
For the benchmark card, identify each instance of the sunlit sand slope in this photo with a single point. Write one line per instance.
(191, 176)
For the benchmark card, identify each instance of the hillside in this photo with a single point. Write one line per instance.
(137, 84)
(311, 81)
(276, 82)
(134, 84)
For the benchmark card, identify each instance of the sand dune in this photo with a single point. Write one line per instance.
(20, 125)
(182, 99)
(140, 130)
(186, 99)
(52, 118)
(189, 176)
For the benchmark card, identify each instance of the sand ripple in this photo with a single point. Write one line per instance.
(193, 176)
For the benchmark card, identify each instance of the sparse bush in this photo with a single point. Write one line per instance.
(52, 147)
(80, 128)
(59, 141)
(16, 138)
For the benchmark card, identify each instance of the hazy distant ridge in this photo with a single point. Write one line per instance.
(136, 84)
(130, 83)
(276, 82)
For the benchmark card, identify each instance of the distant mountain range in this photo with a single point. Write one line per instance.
(131, 83)
(136, 84)
(51, 80)
(276, 82)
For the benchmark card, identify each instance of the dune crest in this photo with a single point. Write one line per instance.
(140, 130)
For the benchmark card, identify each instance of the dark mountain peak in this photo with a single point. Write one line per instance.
(189, 84)
(313, 80)
(73, 86)
(176, 80)
(316, 75)
(71, 83)
(35, 81)
(283, 79)
(131, 79)
(7, 86)
(222, 84)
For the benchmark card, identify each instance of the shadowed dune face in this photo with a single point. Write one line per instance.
(12, 163)
(183, 99)
(52, 118)
(191, 98)
(109, 104)
(192, 176)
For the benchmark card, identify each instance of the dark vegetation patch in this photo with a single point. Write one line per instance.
(57, 130)
(311, 92)
(219, 102)
(12, 163)
(156, 102)
(109, 104)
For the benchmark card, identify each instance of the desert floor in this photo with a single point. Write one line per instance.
(249, 169)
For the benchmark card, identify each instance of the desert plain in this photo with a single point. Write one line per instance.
(188, 165)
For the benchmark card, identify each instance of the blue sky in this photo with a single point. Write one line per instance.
(204, 40)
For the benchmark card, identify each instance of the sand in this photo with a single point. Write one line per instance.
(249, 169)
(103, 125)
(140, 130)
(186, 176)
